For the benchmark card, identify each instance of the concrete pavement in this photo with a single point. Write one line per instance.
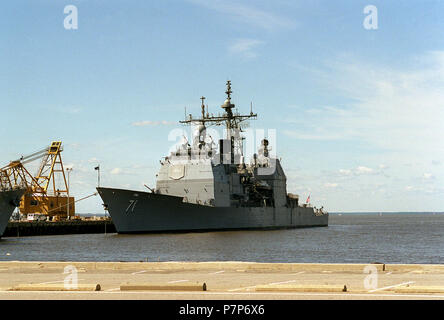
(224, 280)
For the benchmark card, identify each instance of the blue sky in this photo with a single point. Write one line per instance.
(359, 113)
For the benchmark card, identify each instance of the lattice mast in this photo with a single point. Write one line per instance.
(232, 120)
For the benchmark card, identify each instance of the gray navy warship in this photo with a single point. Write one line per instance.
(9, 200)
(201, 187)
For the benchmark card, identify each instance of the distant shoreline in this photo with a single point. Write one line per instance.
(388, 212)
(331, 213)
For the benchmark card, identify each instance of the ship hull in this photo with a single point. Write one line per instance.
(143, 212)
(9, 200)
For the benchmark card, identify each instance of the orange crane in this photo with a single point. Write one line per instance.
(44, 195)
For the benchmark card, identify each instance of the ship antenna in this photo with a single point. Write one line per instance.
(229, 92)
(227, 106)
(203, 107)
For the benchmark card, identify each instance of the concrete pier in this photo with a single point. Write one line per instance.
(41, 228)
(223, 280)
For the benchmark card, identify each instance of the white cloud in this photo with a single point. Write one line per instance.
(330, 185)
(388, 123)
(316, 134)
(391, 108)
(345, 172)
(152, 123)
(363, 170)
(93, 160)
(74, 145)
(73, 110)
(116, 171)
(245, 47)
(428, 176)
(247, 14)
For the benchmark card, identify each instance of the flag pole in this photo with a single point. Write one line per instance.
(98, 175)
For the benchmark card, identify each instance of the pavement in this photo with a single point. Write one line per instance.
(224, 280)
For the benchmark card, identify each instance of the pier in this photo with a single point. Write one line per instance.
(43, 228)
(219, 280)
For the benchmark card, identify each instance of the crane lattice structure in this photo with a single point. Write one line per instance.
(42, 195)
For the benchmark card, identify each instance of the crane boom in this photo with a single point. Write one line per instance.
(43, 195)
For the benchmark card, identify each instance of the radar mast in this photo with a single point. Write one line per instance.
(232, 120)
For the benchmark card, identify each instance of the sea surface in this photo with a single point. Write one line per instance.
(349, 238)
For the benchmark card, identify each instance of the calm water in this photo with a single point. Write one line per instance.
(390, 238)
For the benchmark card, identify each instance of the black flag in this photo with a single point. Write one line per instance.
(96, 168)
